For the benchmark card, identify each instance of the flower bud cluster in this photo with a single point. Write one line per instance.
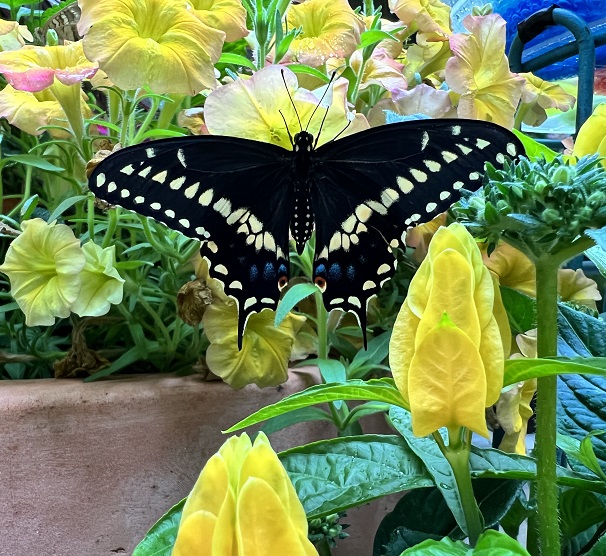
(327, 528)
(539, 206)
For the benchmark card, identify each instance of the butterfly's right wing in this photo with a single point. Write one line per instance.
(232, 194)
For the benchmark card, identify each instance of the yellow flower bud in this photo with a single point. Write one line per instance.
(447, 348)
(243, 504)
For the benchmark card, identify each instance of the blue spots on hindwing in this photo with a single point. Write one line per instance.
(334, 272)
(351, 272)
(253, 272)
(269, 272)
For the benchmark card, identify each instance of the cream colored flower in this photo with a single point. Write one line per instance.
(13, 35)
(159, 43)
(102, 285)
(253, 109)
(542, 95)
(430, 17)
(380, 69)
(228, 16)
(30, 111)
(44, 265)
(479, 72)
(330, 29)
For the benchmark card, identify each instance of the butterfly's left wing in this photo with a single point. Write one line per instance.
(232, 194)
(371, 186)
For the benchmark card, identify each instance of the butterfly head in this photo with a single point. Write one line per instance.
(303, 143)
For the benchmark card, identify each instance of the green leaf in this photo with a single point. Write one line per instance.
(131, 356)
(35, 161)
(534, 149)
(444, 547)
(435, 462)
(579, 510)
(29, 207)
(237, 60)
(332, 371)
(68, 203)
(597, 256)
(292, 297)
(368, 359)
(580, 334)
(373, 36)
(161, 538)
(598, 549)
(301, 68)
(161, 133)
(298, 416)
(494, 543)
(340, 473)
(379, 390)
(517, 370)
(284, 44)
(582, 452)
(521, 310)
(599, 236)
(517, 514)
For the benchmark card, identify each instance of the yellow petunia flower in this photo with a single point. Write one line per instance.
(513, 411)
(380, 69)
(430, 17)
(574, 286)
(263, 359)
(60, 69)
(253, 109)
(243, 503)
(30, 111)
(479, 72)
(330, 29)
(44, 265)
(102, 285)
(447, 347)
(158, 43)
(228, 16)
(591, 138)
(539, 95)
(13, 35)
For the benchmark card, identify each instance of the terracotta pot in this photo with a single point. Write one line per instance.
(87, 468)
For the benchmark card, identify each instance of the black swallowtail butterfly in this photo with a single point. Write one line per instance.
(360, 193)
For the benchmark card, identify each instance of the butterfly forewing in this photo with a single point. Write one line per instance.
(369, 187)
(230, 193)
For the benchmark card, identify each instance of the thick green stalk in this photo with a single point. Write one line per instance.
(545, 449)
(322, 321)
(457, 454)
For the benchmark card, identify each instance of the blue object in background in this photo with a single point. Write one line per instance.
(514, 11)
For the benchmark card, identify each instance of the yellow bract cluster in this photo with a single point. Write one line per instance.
(243, 504)
(447, 348)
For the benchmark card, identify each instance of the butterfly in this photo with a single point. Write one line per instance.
(243, 199)
(63, 19)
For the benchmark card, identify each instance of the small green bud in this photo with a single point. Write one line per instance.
(563, 174)
(597, 199)
(503, 207)
(551, 216)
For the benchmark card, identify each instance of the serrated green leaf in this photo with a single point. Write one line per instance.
(599, 236)
(379, 390)
(340, 473)
(161, 538)
(292, 297)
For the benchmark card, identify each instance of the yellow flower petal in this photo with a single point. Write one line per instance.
(228, 16)
(447, 384)
(102, 285)
(573, 285)
(159, 43)
(402, 347)
(542, 95)
(263, 359)
(380, 69)
(592, 133)
(13, 35)
(243, 503)
(513, 411)
(250, 108)
(431, 17)
(514, 269)
(330, 29)
(44, 265)
(479, 72)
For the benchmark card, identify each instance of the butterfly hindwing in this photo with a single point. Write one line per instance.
(232, 194)
(369, 187)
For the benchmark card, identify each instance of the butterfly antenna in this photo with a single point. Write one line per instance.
(321, 126)
(292, 141)
(332, 77)
(293, 105)
(341, 132)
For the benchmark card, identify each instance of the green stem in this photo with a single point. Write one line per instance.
(148, 120)
(545, 449)
(90, 216)
(27, 191)
(322, 327)
(323, 548)
(168, 110)
(113, 216)
(457, 454)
